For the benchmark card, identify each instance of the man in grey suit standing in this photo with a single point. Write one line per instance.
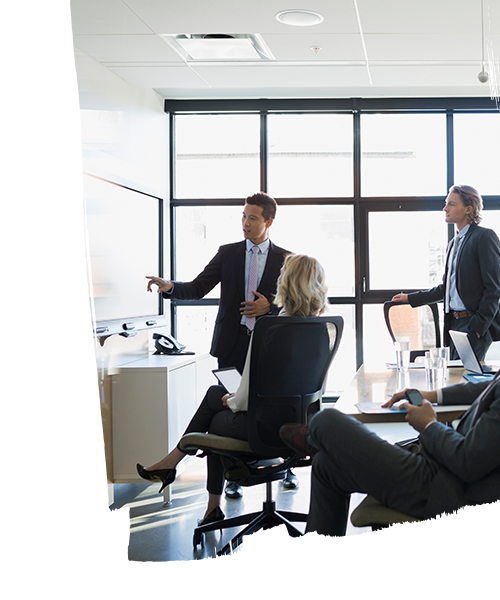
(471, 284)
(239, 306)
(446, 470)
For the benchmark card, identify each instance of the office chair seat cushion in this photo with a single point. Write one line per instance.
(219, 443)
(372, 512)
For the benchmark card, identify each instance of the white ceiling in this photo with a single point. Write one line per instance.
(396, 47)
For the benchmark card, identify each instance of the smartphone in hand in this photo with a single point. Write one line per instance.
(414, 397)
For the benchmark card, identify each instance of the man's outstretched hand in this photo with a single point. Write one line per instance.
(163, 285)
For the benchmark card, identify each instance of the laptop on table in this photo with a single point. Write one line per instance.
(469, 358)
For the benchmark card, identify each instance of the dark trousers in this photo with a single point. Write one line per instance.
(480, 345)
(351, 459)
(213, 417)
(236, 358)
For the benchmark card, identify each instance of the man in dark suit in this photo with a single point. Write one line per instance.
(471, 283)
(238, 305)
(446, 470)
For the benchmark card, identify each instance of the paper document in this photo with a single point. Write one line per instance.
(410, 366)
(375, 408)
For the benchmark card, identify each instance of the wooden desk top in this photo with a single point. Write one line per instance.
(379, 385)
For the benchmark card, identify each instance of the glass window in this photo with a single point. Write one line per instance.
(416, 324)
(343, 367)
(477, 151)
(310, 155)
(195, 327)
(491, 220)
(325, 232)
(217, 156)
(378, 348)
(199, 231)
(407, 250)
(403, 154)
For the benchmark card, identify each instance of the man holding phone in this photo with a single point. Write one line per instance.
(445, 470)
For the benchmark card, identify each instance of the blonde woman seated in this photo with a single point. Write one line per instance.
(301, 292)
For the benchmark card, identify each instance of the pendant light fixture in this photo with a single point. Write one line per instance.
(483, 75)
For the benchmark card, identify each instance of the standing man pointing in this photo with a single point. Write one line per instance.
(248, 272)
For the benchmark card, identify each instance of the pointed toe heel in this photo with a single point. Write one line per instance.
(213, 517)
(166, 476)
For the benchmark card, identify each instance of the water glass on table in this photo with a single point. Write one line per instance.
(402, 349)
(441, 352)
(435, 371)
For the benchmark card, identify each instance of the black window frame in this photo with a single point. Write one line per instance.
(362, 206)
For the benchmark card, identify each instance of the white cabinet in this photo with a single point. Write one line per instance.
(153, 400)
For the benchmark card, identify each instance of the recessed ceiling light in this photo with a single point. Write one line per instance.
(219, 49)
(299, 18)
(218, 46)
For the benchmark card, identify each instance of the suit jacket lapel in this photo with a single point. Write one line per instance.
(465, 240)
(447, 267)
(271, 263)
(239, 262)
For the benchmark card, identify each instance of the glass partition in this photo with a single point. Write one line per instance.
(310, 155)
(403, 154)
(407, 250)
(217, 156)
(477, 150)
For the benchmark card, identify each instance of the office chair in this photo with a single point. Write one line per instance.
(420, 324)
(290, 358)
(401, 535)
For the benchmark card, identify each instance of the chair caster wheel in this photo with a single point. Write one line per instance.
(198, 539)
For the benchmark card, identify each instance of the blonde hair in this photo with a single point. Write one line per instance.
(302, 290)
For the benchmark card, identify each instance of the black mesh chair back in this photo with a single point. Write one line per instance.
(420, 325)
(289, 365)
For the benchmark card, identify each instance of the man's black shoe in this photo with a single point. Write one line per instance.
(290, 481)
(233, 490)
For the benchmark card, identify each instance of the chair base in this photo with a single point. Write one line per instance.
(265, 519)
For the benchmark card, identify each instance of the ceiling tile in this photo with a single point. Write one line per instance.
(148, 76)
(104, 16)
(126, 48)
(298, 46)
(263, 76)
(428, 75)
(420, 16)
(428, 47)
(239, 16)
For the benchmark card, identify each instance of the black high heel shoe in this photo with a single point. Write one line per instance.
(213, 517)
(166, 476)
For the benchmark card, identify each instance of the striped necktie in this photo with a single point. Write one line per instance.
(448, 273)
(253, 281)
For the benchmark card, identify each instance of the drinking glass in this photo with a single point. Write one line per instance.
(402, 349)
(435, 371)
(442, 352)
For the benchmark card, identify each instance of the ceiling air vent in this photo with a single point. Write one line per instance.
(218, 46)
